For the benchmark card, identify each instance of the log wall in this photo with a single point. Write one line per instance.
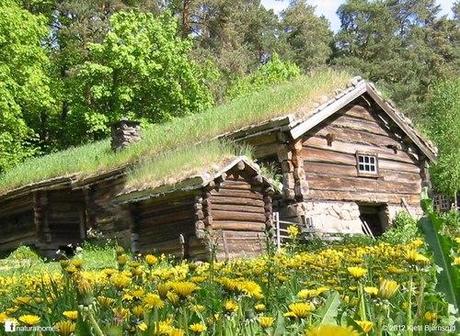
(102, 214)
(329, 154)
(240, 213)
(16, 223)
(164, 225)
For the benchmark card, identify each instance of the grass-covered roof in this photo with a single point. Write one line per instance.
(300, 94)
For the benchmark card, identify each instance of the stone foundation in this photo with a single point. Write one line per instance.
(338, 217)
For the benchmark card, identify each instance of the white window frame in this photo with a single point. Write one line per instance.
(370, 160)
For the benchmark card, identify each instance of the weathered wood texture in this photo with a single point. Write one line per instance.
(16, 222)
(102, 214)
(65, 216)
(329, 154)
(160, 224)
(239, 217)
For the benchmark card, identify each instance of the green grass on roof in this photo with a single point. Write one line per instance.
(176, 165)
(89, 159)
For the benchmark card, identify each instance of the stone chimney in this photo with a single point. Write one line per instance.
(124, 133)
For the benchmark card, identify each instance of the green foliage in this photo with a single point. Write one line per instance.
(443, 125)
(141, 71)
(254, 108)
(307, 35)
(24, 253)
(404, 229)
(402, 45)
(25, 97)
(441, 246)
(273, 72)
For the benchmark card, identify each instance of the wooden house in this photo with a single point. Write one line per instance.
(352, 162)
(353, 159)
(226, 210)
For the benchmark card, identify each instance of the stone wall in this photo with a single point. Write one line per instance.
(334, 217)
(124, 133)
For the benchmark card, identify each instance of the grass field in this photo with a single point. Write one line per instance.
(354, 288)
(286, 98)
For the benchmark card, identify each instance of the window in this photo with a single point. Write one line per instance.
(367, 164)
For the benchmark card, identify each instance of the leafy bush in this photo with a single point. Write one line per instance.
(273, 72)
(24, 253)
(404, 229)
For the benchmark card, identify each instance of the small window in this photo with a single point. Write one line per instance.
(367, 164)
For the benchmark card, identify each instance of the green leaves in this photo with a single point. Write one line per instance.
(448, 278)
(141, 69)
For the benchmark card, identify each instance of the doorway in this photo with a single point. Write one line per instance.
(375, 216)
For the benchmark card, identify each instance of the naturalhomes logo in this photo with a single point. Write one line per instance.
(12, 326)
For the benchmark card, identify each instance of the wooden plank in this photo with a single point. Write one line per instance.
(237, 216)
(241, 226)
(398, 121)
(238, 194)
(349, 148)
(220, 199)
(356, 136)
(327, 111)
(321, 182)
(238, 208)
(347, 122)
(327, 156)
(366, 197)
(329, 169)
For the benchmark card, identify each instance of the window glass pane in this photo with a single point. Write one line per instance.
(366, 159)
(360, 159)
(367, 167)
(361, 167)
(372, 159)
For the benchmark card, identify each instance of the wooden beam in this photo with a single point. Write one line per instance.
(327, 111)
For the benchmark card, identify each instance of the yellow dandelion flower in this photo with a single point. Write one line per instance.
(71, 314)
(456, 261)
(430, 316)
(105, 301)
(120, 280)
(197, 327)
(151, 259)
(387, 288)
(371, 290)
(163, 289)
(122, 259)
(65, 328)
(331, 330)
(414, 257)
(138, 311)
(231, 306)
(153, 301)
(177, 332)
(184, 288)
(29, 320)
(173, 298)
(266, 321)
(3, 317)
(142, 326)
(301, 309)
(293, 231)
(357, 272)
(366, 326)
(260, 307)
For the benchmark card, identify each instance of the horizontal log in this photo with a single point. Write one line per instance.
(350, 148)
(238, 208)
(347, 122)
(243, 226)
(263, 139)
(330, 169)
(361, 184)
(327, 156)
(359, 111)
(237, 216)
(365, 197)
(238, 194)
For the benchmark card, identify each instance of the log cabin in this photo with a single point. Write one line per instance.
(225, 211)
(351, 159)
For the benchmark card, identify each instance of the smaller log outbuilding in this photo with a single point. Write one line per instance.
(225, 211)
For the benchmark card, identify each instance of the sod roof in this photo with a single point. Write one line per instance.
(95, 158)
